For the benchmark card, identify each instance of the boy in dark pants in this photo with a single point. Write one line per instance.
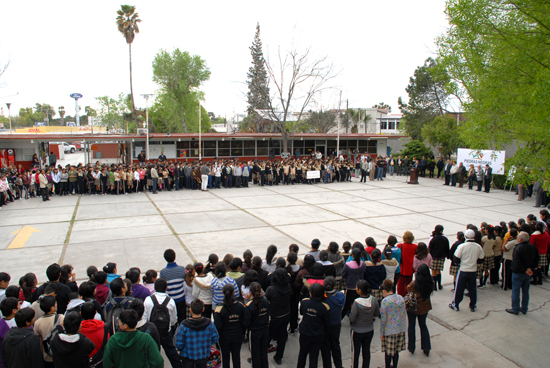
(315, 323)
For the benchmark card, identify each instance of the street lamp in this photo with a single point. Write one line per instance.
(146, 124)
(200, 128)
(8, 104)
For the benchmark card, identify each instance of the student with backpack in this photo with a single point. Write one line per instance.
(131, 348)
(195, 337)
(161, 310)
(48, 326)
(71, 348)
(117, 304)
(96, 331)
(21, 348)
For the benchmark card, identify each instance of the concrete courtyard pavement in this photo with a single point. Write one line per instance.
(134, 230)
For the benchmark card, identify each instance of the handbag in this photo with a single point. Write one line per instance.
(410, 302)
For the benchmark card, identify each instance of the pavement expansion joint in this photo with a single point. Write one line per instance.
(187, 250)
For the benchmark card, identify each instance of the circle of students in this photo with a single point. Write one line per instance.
(110, 321)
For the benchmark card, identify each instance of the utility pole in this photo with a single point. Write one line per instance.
(339, 114)
(200, 133)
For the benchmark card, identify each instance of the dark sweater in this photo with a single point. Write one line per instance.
(279, 301)
(375, 275)
(256, 318)
(439, 246)
(316, 317)
(70, 351)
(230, 323)
(62, 298)
(21, 349)
(150, 329)
(525, 256)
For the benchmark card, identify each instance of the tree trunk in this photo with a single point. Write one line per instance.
(132, 88)
(285, 135)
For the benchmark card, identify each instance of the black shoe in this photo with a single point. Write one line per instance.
(523, 312)
(427, 352)
(473, 309)
(412, 351)
(278, 361)
(511, 311)
(440, 287)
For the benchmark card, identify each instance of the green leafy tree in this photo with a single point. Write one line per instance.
(179, 76)
(443, 132)
(111, 112)
(258, 86)
(127, 21)
(61, 110)
(497, 54)
(382, 106)
(428, 98)
(416, 148)
(28, 117)
(321, 121)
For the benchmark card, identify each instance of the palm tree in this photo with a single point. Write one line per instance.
(127, 21)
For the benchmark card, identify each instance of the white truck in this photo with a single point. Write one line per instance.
(66, 146)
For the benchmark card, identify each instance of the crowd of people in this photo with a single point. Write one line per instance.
(191, 311)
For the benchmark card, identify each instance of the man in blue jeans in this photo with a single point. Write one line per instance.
(525, 260)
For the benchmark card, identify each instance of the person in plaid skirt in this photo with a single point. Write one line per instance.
(540, 239)
(439, 250)
(453, 270)
(488, 243)
(393, 324)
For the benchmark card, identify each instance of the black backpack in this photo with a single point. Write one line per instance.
(97, 360)
(114, 314)
(160, 316)
(56, 329)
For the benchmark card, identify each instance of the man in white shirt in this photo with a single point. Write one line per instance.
(467, 255)
(167, 342)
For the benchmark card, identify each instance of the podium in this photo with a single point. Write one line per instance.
(413, 178)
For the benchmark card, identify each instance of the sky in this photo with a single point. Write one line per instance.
(56, 47)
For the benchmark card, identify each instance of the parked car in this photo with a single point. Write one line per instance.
(79, 145)
(66, 146)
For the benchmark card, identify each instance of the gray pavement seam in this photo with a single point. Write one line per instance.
(265, 222)
(69, 232)
(187, 250)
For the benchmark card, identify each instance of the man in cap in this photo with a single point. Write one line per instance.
(467, 255)
(524, 260)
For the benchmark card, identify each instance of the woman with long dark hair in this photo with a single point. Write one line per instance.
(262, 274)
(422, 288)
(353, 271)
(269, 262)
(278, 295)
(439, 250)
(488, 243)
(229, 320)
(257, 320)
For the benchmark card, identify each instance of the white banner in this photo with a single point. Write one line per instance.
(315, 174)
(495, 159)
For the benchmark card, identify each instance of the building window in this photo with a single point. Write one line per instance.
(392, 125)
(383, 124)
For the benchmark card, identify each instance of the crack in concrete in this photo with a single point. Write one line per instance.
(69, 232)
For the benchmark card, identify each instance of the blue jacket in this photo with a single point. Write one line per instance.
(336, 302)
(195, 336)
